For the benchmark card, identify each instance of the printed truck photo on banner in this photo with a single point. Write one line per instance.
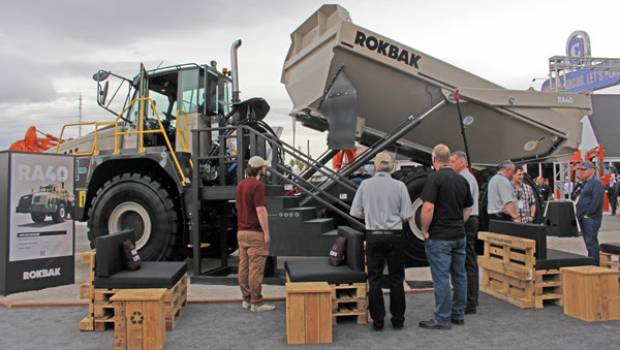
(42, 199)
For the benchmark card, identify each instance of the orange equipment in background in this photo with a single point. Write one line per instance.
(32, 143)
(596, 156)
(338, 159)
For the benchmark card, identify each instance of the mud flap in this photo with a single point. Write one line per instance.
(339, 107)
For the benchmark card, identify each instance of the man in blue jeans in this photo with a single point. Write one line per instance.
(447, 206)
(590, 208)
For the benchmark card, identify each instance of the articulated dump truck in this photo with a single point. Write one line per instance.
(364, 87)
(168, 164)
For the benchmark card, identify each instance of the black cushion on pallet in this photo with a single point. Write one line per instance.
(529, 231)
(319, 270)
(611, 248)
(108, 257)
(354, 256)
(152, 274)
(558, 258)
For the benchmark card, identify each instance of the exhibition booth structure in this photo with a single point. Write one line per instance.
(36, 223)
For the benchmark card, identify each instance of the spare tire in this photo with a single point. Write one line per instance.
(414, 179)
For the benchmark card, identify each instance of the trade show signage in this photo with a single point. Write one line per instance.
(37, 231)
(585, 79)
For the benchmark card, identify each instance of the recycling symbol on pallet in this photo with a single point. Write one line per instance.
(136, 317)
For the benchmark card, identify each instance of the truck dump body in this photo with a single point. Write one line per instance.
(393, 82)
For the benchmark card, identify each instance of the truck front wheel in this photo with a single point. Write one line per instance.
(38, 218)
(138, 202)
(60, 214)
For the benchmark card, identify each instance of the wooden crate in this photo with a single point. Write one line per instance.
(139, 319)
(100, 315)
(350, 300)
(308, 313)
(509, 272)
(591, 293)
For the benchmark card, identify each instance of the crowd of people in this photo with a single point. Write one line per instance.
(449, 224)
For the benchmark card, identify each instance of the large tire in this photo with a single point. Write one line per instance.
(139, 202)
(414, 178)
(60, 214)
(38, 218)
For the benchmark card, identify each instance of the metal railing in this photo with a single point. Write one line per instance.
(95, 147)
(278, 169)
(140, 132)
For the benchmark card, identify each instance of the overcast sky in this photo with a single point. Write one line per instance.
(50, 49)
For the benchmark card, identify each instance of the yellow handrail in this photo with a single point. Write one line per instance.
(95, 150)
(140, 132)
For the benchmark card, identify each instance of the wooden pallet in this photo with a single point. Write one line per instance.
(100, 315)
(350, 300)
(87, 291)
(609, 261)
(509, 272)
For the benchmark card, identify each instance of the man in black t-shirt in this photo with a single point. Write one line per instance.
(447, 205)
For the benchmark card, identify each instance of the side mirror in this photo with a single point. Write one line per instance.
(102, 94)
(101, 76)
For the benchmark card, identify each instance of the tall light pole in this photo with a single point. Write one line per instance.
(80, 115)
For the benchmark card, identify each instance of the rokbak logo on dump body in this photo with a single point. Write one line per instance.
(387, 49)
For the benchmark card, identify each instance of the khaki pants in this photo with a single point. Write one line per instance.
(253, 254)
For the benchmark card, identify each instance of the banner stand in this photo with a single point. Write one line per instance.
(37, 230)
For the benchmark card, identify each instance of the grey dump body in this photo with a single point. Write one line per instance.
(385, 82)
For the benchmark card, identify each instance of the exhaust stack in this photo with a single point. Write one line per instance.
(234, 69)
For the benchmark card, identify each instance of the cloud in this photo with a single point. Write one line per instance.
(117, 22)
(24, 83)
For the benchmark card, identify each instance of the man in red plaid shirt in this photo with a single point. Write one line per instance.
(526, 202)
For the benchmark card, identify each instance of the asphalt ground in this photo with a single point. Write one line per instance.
(498, 325)
(227, 326)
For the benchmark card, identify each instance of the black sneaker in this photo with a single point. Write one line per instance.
(432, 324)
(458, 322)
(470, 310)
(377, 325)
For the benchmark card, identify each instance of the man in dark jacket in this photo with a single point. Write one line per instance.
(590, 208)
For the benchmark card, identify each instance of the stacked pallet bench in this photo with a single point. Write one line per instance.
(350, 300)
(101, 309)
(509, 272)
(610, 261)
(610, 256)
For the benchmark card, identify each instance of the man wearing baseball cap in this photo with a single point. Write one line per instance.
(253, 235)
(590, 208)
(384, 204)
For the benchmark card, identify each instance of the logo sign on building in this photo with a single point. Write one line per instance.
(578, 45)
(601, 75)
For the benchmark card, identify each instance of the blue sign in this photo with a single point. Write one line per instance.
(586, 79)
